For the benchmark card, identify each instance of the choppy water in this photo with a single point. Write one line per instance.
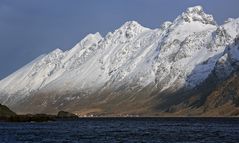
(163, 130)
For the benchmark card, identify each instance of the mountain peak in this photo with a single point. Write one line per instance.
(196, 13)
(93, 36)
(131, 24)
(91, 39)
(57, 51)
(195, 9)
(128, 30)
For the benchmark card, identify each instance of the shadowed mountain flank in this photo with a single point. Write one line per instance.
(6, 112)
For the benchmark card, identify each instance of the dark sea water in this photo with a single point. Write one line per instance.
(162, 130)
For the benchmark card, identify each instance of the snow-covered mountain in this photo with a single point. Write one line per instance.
(131, 61)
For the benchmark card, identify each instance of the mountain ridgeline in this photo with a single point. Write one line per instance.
(188, 67)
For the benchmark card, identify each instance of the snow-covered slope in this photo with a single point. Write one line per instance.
(179, 54)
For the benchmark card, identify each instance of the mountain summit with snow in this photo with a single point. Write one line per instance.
(133, 70)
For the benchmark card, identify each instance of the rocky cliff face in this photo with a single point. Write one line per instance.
(133, 70)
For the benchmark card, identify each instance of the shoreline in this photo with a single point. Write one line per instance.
(51, 118)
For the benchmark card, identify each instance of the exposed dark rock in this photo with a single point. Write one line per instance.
(32, 118)
(6, 112)
(64, 114)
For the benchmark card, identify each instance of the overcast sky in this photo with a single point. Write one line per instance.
(29, 28)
